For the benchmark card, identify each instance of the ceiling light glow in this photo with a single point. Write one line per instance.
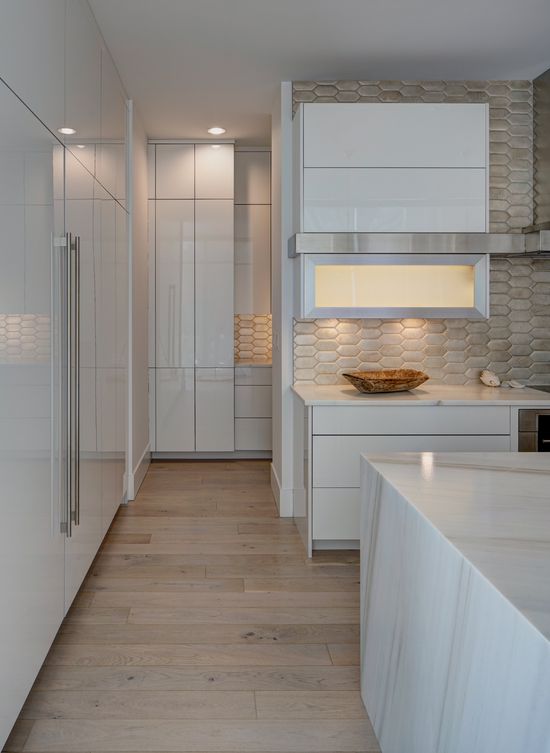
(216, 146)
(66, 131)
(216, 130)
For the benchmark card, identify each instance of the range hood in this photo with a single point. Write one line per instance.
(532, 241)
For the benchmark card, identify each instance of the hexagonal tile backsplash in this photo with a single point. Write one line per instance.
(253, 337)
(510, 130)
(514, 342)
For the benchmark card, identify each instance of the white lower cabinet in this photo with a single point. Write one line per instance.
(175, 410)
(336, 436)
(253, 408)
(215, 410)
(253, 434)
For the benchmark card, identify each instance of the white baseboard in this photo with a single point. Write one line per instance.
(284, 498)
(135, 478)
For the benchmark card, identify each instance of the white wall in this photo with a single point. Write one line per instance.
(282, 300)
(138, 426)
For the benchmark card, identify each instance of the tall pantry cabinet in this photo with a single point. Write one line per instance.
(191, 251)
(63, 322)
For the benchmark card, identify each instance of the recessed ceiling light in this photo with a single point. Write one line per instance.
(216, 131)
(66, 131)
(81, 146)
(216, 146)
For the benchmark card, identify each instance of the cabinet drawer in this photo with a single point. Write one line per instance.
(336, 514)
(253, 376)
(253, 434)
(253, 402)
(416, 420)
(336, 460)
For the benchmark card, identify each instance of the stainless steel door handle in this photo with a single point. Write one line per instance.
(77, 379)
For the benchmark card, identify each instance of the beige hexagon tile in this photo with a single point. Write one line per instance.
(253, 340)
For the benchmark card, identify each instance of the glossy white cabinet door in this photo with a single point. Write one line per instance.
(253, 401)
(105, 255)
(214, 312)
(175, 410)
(31, 543)
(111, 155)
(106, 387)
(175, 283)
(152, 409)
(252, 177)
(175, 171)
(253, 434)
(32, 55)
(121, 361)
(399, 200)
(82, 81)
(253, 259)
(152, 320)
(214, 167)
(395, 134)
(215, 411)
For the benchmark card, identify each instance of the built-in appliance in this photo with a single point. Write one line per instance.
(534, 429)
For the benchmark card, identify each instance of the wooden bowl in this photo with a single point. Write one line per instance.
(388, 380)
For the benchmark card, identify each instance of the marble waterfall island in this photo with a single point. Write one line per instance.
(455, 601)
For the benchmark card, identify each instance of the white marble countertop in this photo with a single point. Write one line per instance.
(249, 362)
(429, 394)
(494, 508)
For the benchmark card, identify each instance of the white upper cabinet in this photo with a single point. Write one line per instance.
(252, 259)
(376, 200)
(175, 281)
(32, 55)
(110, 154)
(214, 253)
(395, 135)
(175, 171)
(391, 167)
(82, 81)
(253, 177)
(214, 171)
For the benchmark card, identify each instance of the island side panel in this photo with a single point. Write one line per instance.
(448, 665)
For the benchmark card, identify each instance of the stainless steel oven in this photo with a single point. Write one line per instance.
(534, 430)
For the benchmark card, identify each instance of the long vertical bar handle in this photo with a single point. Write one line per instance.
(69, 381)
(77, 378)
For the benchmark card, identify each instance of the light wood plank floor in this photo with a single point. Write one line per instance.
(203, 627)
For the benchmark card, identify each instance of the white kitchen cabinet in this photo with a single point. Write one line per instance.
(110, 153)
(35, 68)
(253, 434)
(175, 410)
(31, 542)
(215, 410)
(82, 81)
(401, 200)
(214, 171)
(395, 134)
(252, 259)
(255, 375)
(253, 401)
(214, 256)
(175, 283)
(252, 177)
(335, 515)
(151, 372)
(175, 171)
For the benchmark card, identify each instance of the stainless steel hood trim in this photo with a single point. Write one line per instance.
(505, 244)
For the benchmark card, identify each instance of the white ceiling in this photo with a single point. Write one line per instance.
(191, 64)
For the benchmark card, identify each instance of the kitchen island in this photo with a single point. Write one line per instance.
(334, 425)
(455, 601)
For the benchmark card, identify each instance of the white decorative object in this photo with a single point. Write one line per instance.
(489, 378)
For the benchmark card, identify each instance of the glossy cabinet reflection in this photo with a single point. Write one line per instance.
(175, 410)
(215, 410)
(175, 283)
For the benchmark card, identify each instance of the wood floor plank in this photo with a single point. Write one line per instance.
(141, 704)
(243, 615)
(310, 705)
(157, 634)
(344, 654)
(245, 599)
(93, 615)
(171, 655)
(281, 678)
(203, 626)
(112, 736)
(163, 585)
